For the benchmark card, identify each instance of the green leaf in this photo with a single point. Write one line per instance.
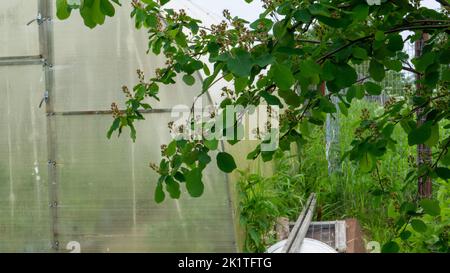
(254, 154)
(408, 208)
(62, 9)
(346, 75)
(290, 97)
(225, 162)
(372, 88)
(424, 61)
(359, 53)
(376, 70)
(360, 12)
(443, 173)
(390, 247)
(282, 76)
(418, 225)
(404, 235)
(328, 71)
(159, 193)
(194, 184)
(434, 137)
(240, 65)
(430, 207)
(107, 8)
(309, 68)
(279, 29)
(240, 84)
(264, 60)
(445, 76)
(263, 24)
(171, 149)
(359, 92)
(367, 162)
(379, 36)
(114, 126)
(327, 106)
(343, 108)
(395, 65)
(189, 79)
(395, 42)
(351, 93)
(181, 40)
(211, 144)
(420, 135)
(173, 187)
(318, 9)
(271, 99)
(152, 20)
(302, 15)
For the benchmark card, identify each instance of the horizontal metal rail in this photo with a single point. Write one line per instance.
(22, 60)
(106, 112)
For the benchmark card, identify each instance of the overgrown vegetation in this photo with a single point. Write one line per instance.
(350, 193)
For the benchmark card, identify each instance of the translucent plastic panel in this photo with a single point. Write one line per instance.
(24, 210)
(91, 65)
(16, 38)
(106, 193)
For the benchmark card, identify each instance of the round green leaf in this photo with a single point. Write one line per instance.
(418, 225)
(194, 184)
(390, 247)
(211, 144)
(404, 235)
(420, 135)
(360, 12)
(430, 207)
(282, 76)
(376, 70)
(171, 149)
(189, 79)
(240, 65)
(443, 173)
(173, 187)
(372, 88)
(225, 162)
(62, 9)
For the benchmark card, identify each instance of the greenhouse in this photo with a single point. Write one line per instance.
(91, 92)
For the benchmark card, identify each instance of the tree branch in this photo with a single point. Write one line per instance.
(398, 29)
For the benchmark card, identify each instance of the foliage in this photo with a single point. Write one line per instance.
(353, 193)
(273, 60)
(263, 199)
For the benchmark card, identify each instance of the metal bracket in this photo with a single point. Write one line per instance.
(51, 163)
(44, 99)
(39, 20)
(46, 63)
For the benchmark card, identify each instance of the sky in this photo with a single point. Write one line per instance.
(210, 11)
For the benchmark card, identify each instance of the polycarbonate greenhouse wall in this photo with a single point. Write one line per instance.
(62, 182)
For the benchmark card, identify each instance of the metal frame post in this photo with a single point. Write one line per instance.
(46, 43)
